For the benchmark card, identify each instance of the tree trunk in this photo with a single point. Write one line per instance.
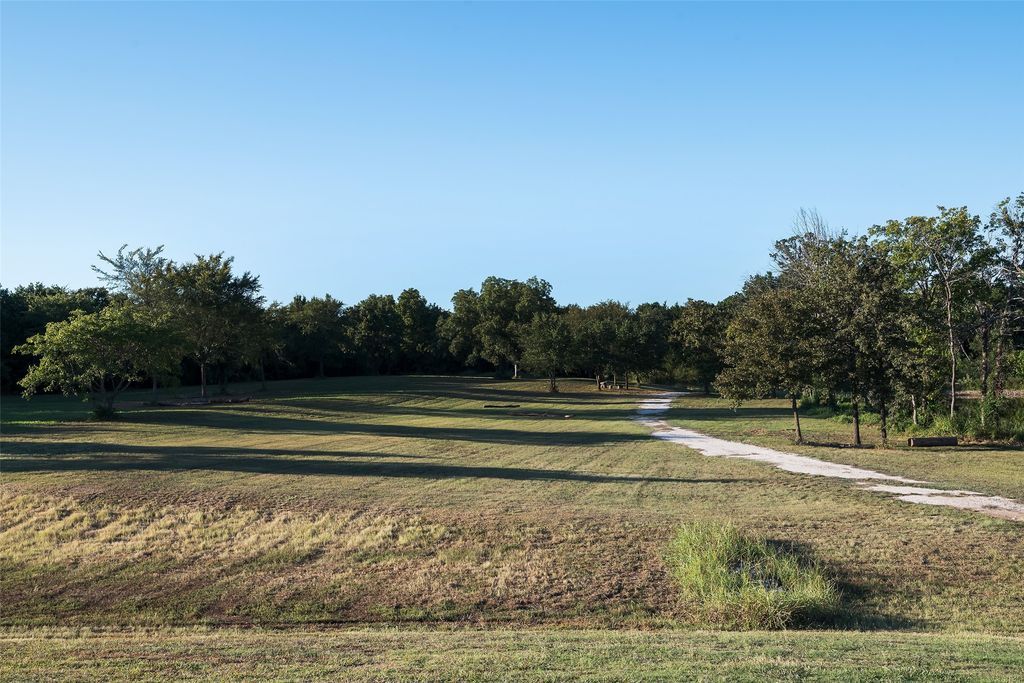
(263, 376)
(202, 380)
(796, 419)
(515, 370)
(883, 414)
(615, 379)
(998, 370)
(913, 409)
(625, 379)
(707, 387)
(856, 423)
(952, 353)
(552, 384)
(320, 369)
(986, 343)
(154, 387)
(597, 381)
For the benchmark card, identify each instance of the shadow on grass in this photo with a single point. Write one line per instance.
(852, 612)
(583, 411)
(252, 418)
(115, 457)
(686, 413)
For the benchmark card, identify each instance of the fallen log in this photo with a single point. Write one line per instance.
(931, 441)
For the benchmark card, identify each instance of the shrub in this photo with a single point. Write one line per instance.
(741, 582)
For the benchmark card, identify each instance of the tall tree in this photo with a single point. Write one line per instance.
(505, 308)
(770, 346)
(320, 324)
(1006, 226)
(698, 336)
(375, 332)
(419, 346)
(214, 309)
(137, 276)
(460, 329)
(547, 347)
(943, 253)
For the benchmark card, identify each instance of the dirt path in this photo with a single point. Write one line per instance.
(650, 410)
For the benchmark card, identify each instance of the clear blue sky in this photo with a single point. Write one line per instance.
(639, 152)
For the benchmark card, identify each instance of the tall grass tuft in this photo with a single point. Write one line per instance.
(736, 581)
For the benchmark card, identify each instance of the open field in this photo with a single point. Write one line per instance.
(404, 502)
(550, 655)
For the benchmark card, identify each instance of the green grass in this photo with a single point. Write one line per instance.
(993, 469)
(398, 502)
(736, 581)
(548, 655)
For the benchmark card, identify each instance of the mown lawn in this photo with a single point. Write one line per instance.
(399, 502)
(548, 655)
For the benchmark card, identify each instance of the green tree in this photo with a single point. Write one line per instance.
(94, 354)
(1006, 226)
(137, 275)
(770, 347)
(505, 308)
(698, 337)
(547, 347)
(942, 255)
(214, 308)
(375, 333)
(26, 310)
(419, 346)
(460, 329)
(321, 326)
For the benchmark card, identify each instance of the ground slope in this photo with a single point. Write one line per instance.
(397, 501)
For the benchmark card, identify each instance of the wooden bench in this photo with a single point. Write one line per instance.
(931, 441)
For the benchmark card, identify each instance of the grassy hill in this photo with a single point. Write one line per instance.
(408, 503)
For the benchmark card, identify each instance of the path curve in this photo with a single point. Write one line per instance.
(650, 410)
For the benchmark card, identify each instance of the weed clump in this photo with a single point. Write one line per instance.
(735, 581)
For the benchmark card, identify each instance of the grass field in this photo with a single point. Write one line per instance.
(501, 540)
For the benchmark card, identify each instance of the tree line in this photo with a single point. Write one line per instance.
(898, 323)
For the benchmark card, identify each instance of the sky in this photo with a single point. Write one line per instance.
(641, 152)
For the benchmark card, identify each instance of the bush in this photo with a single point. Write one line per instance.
(740, 582)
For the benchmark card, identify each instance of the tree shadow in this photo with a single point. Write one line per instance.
(350, 407)
(116, 457)
(252, 418)
(853, 596)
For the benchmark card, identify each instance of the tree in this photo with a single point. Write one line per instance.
(878, 327)
(375, 332)
(600, 342)
(769, 347)
(136, 276)
(460, 329)
(1006, 225)
(547, 347)
(320, 324)
(94, 354)
(941, 254)
(214, 308)
(653, 326)
(132, 272)
(26, 310)
(419, 346)
(505, 308)
(698, 336)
